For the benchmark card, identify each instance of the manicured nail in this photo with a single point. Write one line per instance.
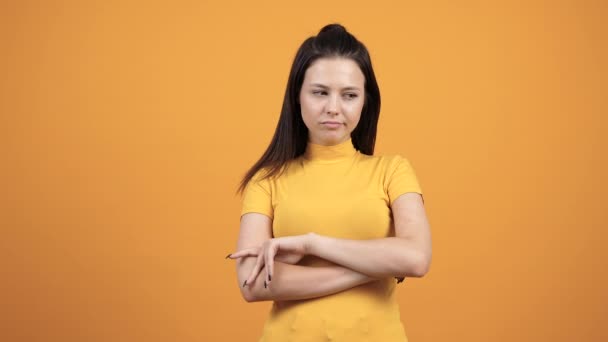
(269, 278)
(245, 283)
(265, 286)
(228, 256)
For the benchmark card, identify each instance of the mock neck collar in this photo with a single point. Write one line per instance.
(329, 154)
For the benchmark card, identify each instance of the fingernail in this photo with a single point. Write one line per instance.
(265, 286)
(245, 283)
(228, 256)
(269, 278)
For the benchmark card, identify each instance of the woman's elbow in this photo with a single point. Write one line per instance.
(422, 265)
(249, 295)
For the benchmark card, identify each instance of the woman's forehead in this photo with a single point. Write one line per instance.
(332, 72)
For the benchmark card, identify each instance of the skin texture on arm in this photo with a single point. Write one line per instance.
(294, 282)
(408, 254)
(290, 282)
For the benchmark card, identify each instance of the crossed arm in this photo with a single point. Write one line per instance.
(294, 282)
(357, 261)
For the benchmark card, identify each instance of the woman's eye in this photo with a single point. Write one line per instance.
(323, 93)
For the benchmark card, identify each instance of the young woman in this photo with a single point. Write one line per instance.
(326, 226)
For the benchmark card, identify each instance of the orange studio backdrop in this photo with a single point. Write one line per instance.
(127, 125)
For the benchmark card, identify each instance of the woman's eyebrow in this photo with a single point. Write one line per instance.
(326, 87)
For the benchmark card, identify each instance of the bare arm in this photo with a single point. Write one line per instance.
(294, 282)
(407, 254)
(385, 257)
(290, 282)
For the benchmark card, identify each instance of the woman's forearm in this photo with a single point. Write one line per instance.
(294, 282)
(377, 258)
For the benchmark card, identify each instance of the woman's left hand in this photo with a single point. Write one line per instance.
(298, 244)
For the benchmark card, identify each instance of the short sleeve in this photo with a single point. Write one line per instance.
(257, 196)
(401, 178)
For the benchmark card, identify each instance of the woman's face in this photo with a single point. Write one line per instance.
(331, 99)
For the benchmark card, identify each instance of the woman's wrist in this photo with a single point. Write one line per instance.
(314, 240)
(311, 242)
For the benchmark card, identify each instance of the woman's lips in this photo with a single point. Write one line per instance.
(332, 124)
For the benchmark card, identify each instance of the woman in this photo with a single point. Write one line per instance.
(326, 226)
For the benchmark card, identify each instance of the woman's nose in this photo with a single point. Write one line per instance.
(332, 105)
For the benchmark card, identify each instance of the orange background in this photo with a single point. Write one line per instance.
(125, 128)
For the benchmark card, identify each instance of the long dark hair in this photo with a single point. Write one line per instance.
(291, 135)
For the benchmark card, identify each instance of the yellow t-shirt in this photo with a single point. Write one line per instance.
(339, 192)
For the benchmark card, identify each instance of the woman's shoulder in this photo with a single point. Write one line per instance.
(271, 173)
